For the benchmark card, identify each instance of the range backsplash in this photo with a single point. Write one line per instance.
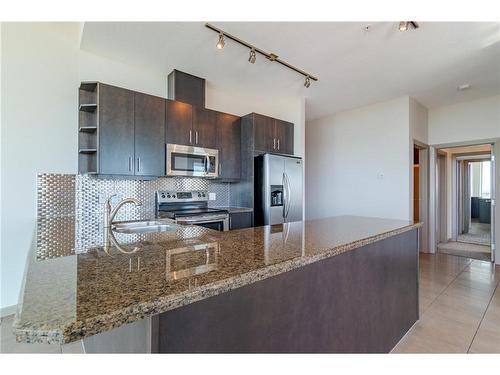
(77, 202)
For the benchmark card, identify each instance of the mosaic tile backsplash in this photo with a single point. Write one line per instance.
(78, 201)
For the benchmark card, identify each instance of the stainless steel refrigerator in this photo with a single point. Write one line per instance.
(278, 189)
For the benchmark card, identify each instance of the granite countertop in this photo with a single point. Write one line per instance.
(74, 296)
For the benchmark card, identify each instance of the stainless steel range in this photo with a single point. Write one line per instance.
(190, 207)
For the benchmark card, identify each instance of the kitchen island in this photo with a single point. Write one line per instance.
(341, 284)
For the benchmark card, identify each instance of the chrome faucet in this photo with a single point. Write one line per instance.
(109, 216)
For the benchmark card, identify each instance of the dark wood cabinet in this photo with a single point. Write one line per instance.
(204, 128)
(265, 140)
(271, 135)
(240, 220)
(229, 146)
(283, 132)
(120, 133)
(179, 123)
(116, 130)
(149, 135)
(186, 88)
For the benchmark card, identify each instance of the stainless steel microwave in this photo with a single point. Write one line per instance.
(192, 161)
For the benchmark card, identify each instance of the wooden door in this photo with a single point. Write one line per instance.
(283, 132)
(265, 140)
(116, 130)
(204, 128)
(229, 146)
(149, 135)
(179, 123)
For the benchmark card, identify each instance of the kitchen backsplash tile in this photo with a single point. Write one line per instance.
(83, 197)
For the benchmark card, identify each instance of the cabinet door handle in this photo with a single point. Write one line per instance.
(196, 136)
(129, 164)
(278, 144)
(190, 137)
(138, 164)
(220, 169)
(274, 143)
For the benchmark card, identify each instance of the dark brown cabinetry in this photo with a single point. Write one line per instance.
(240, 220)
(228, 143)
(270, 134)
(122, 133)
(187, 88)
(191, 126)
(204, 128)
(179, 123)
(149, 135)
(116, 130)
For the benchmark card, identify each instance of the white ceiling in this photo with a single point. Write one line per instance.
(354, 67)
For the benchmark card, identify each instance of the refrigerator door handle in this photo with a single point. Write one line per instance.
(288, 195)
(285, 194)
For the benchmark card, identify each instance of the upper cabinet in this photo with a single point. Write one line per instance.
(191, 126)
(122, 133)
(229, 146)
(186, 88)
(204, 128)
(270, 134)
(179, 129)
(149, 135)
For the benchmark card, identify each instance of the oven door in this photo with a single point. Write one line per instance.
(216, 222)
(192, 161)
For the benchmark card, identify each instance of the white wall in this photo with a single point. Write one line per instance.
(465, 122)
(42, 66)
(347, 153)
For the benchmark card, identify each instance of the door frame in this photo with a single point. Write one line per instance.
(424, 154)
(495, 227)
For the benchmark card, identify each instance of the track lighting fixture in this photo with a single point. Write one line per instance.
(272, 57)
(252, 57)
(307, 82)
(221, 43)
(407, 25)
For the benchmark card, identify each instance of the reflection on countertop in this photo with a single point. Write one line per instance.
(69, 297)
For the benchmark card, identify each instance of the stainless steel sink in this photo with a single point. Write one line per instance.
(145, 226)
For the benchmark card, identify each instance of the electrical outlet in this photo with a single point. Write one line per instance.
(211, 196)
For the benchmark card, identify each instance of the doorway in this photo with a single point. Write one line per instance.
(464, 190)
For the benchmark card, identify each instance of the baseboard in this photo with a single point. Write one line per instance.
(7, 310)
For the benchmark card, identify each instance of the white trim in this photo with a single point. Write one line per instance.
(7, 310)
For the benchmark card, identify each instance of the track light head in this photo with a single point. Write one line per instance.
(307, 82)
(252, 57)
(221, 42)
(407, 25)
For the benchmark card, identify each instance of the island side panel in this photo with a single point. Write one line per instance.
(362, 301)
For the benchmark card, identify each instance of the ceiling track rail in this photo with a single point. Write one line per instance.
(267, 55)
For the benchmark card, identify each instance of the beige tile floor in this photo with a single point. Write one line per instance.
(459, 311)
(459, 307)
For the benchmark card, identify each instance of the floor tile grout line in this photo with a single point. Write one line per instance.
(447, 286)
(482, 318)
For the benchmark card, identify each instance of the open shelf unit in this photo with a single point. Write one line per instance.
(88, 126)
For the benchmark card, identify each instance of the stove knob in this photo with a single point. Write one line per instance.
(162, 195)
(203, 194)
(199, 195)
(168, 195)
(173, 196)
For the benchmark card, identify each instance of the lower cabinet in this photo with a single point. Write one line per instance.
(240, 220)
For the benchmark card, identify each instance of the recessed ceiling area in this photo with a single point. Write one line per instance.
(354, 67)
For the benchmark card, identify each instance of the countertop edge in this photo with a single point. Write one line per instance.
(80, 330)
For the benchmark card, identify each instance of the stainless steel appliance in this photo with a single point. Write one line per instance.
(192, 161)
(190, 207)
(278, 189)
